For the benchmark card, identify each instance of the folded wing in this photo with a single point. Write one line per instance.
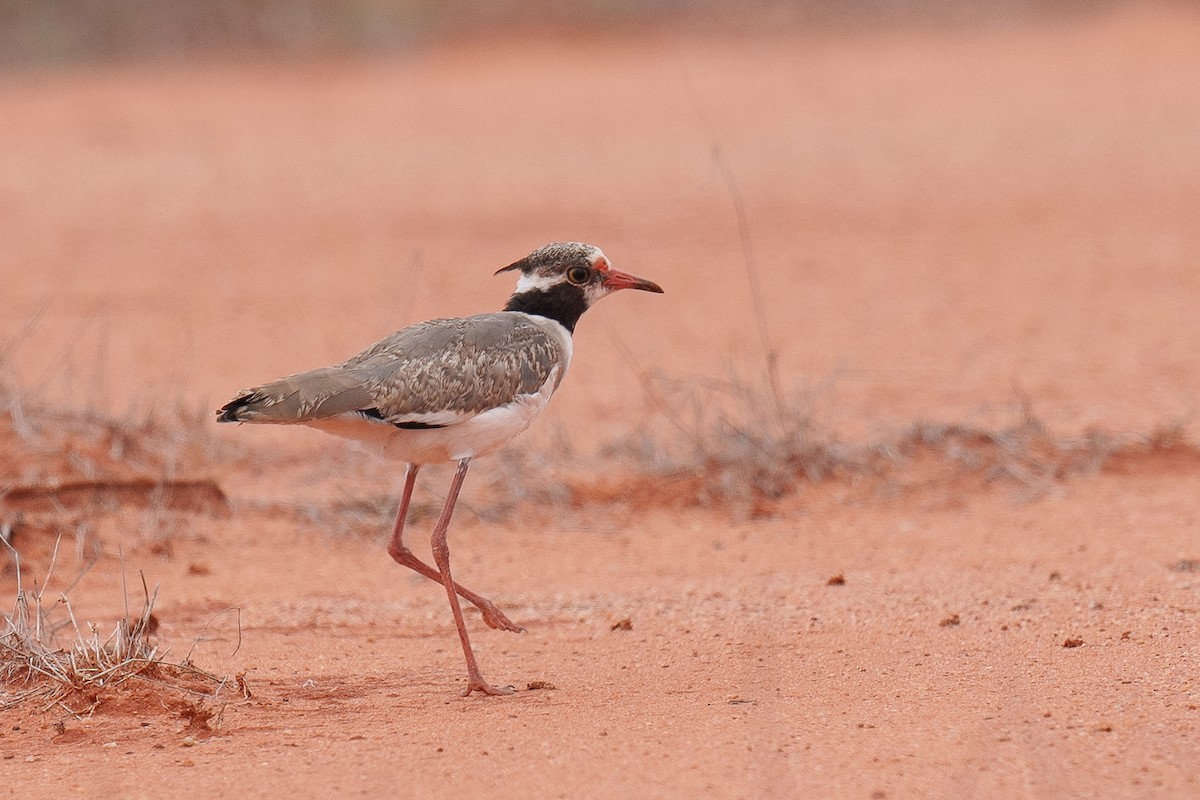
(433, 374)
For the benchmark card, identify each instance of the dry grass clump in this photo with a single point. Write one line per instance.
(739, 445)
(736, 437)
(81, 674)
(49, 445)
(950, 460)
(1027, 453)
(62, 468)
(728, 445)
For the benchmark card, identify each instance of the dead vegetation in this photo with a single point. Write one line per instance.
(725, 445)
(90, 668)
(719, 445)
(68, 456)
(62, 470)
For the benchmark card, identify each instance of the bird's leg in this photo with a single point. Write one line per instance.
(400, 553)
(441, 557)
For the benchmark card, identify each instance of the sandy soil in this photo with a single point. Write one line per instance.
(936, 216)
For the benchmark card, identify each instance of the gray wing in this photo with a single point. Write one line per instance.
(433, 373)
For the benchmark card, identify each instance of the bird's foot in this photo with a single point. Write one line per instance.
(495, 618)
(482, 686)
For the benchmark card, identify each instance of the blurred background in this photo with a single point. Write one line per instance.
(907, 209)
(84, 30)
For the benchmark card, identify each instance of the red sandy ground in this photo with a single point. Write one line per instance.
(936, 215)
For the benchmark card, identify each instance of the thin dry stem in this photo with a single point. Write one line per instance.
(33, 665)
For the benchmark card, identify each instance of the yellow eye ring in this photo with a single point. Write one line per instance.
(578, 275)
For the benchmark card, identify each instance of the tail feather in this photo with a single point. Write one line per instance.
(240, 408)
(299, 398)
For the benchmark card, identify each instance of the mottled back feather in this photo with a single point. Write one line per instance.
(437, 372)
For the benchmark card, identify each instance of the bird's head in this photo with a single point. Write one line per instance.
(570, 273)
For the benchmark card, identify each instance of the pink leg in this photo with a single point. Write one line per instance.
(441, 556)
(400, 553)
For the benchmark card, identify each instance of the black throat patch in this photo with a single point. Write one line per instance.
(562, 303)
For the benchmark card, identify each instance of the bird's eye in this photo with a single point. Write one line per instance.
(578, 275)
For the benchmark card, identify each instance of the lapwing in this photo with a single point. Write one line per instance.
(451, 390)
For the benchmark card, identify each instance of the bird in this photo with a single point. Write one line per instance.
(451, 390)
